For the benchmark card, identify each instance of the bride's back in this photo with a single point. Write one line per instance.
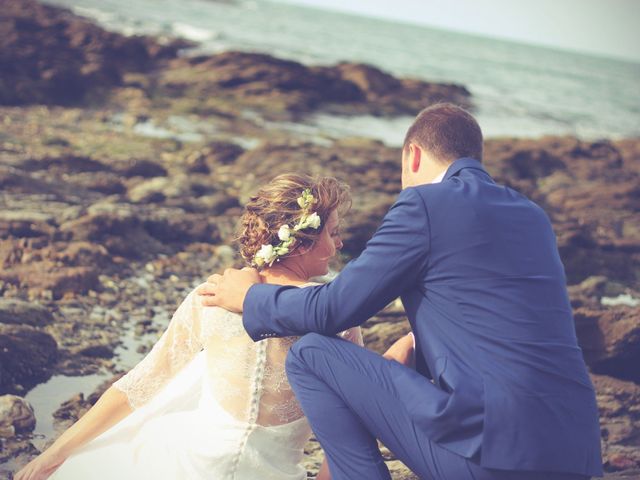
(247, 378)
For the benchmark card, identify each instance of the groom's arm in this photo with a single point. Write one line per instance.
(392, 261)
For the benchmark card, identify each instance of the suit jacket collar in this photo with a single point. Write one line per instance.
(465, 162)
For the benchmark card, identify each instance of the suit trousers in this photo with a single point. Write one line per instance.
(349, 397)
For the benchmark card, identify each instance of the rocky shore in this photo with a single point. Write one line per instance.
(124, 166)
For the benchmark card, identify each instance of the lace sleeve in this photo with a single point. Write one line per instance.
(354, 335)
(176, 347)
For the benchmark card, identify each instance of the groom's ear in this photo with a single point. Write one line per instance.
(415, 154)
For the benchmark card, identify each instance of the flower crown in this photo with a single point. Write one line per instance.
(269, 253)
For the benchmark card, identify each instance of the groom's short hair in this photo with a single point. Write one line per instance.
(446, 131)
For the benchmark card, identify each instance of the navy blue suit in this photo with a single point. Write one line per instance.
(477, 267)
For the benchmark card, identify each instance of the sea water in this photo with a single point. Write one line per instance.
(518, 90)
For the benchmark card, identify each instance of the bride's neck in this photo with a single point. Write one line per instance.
(284, 274)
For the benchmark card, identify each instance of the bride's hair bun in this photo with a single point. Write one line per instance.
(276, 204)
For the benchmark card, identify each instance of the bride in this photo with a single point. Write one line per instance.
(207, 402)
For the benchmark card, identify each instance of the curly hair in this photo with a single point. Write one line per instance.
(275, 204)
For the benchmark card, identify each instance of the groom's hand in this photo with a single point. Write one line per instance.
(228, 290)
(402, 351)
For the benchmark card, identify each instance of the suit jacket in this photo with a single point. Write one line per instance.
(477, 267)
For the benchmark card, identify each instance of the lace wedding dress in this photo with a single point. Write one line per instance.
(209, 403)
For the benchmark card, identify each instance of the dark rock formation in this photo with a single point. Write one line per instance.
(59, 268)
(49, 55)
(387, 95)
(610, 340)
(209, 158)
(22, 224)
(188, 228)
(26, 357)
(56, 281)
(278, 86)
(141, 167)
(19, 312)
(119, 231)
(619, 421)
(16, 416)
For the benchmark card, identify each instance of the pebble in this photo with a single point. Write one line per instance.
(16, 416)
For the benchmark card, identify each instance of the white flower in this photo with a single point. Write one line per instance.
(306, 200)
(313, 220)
(284, 233)
(266, 253)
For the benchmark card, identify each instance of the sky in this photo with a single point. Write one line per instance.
(603, 27)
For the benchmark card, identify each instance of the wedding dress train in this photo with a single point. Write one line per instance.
(209, 403)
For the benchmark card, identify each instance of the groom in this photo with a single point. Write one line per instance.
(500, 389)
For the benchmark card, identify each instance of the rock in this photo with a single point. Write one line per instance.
(49, 55)
(633, 474)
(211, 157)
(397, 469)
(387, 95)
(610, 340)
(621, 461)
(19, 312)
(120, 231)
(21, 224)
(43, 277)
(226, 254)
(601, 153)
(143, 168)
(619, 421)
(42, 198)
(219, 203)
(370, 167)
(16, 416)
(152, 191)
(68, 280)
(363, 223)
(81, 253)
(186, 228)
(381, 331)
(107, 183)
(26, 357)
(14, 181)
(16, 451)
(180, 189)
(534, 163)
(590, 292)
(71, 410)
(97, 351)
(583, 257)
(54, 269)
(65, 164)
(371, 80)
(277, 86)
(268, 80)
